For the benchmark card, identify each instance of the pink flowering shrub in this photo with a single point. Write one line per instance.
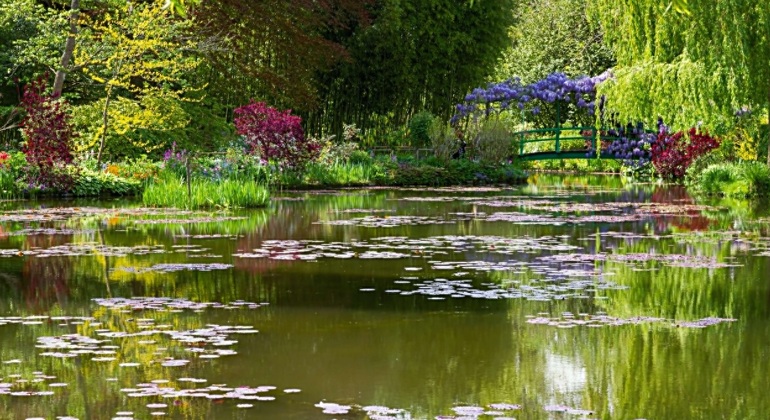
(275, 136)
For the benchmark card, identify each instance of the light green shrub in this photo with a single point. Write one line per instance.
(492, 144)
(443, 141)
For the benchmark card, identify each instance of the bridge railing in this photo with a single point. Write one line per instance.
(557, 135)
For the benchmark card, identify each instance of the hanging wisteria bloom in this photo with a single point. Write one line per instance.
(513, 94)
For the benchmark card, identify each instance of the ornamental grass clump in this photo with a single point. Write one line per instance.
(169, 190)
(734, 179)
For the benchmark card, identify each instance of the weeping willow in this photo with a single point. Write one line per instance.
(700, 65)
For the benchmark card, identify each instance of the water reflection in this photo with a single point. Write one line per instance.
(336, 343)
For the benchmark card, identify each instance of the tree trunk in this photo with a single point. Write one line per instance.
(69, 48)
(105, 121)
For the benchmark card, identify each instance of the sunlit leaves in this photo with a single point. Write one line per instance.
(699, 62)
(143, 78)
(179, 7)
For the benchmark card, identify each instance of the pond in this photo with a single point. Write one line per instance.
(571, 297)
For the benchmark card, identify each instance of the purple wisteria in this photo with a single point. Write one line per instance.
(631, 143)
(512, 94)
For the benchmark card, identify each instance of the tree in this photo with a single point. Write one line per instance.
(29, 37)
(702, 64)
(139, 55)
(553, 36)
(415, 55)
(272, 49)
(69, 48)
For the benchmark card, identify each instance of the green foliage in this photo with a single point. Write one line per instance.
(167, 190)
(577, 165)
(416, 55)
(492, 144)
(434, 173)
(94, 184)
(698, 66)
(745, 135)
(337, 174)
(30, 40)
(419, 128)
(757, 176)
(144, 126)
(144, 79)
(444, 141)
(733, 179)
(725, 153)
(140, 169)
(553, 36)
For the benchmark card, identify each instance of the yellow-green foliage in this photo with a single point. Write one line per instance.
(134, 125)
(746, 144)
(701, 64)
(140, 56)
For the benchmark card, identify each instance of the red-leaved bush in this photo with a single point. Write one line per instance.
(275, 136)
(46, 127)
(673, 153)
(48, 133)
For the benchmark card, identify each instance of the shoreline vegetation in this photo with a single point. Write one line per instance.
(314, 108)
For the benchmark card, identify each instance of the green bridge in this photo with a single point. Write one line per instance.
(568, 143)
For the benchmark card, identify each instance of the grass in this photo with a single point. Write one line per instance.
(8, 189)
(741, 179)
(171, 191)
(335, 175)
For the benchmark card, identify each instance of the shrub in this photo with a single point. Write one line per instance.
(140, 169)
(275, 136)
(433, 172)
(350, 132)
(723, 154)
(673, 153)
(48, 137)
(492, 144)
(444, 141)
(90, 184)
(420, 127)
(745, 134)
(339, 152)
(46, 180)
(739, 179)
(360, 157)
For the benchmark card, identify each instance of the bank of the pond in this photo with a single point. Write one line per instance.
(239, 182)
(730, 179)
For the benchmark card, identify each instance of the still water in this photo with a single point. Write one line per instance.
(572, 297)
